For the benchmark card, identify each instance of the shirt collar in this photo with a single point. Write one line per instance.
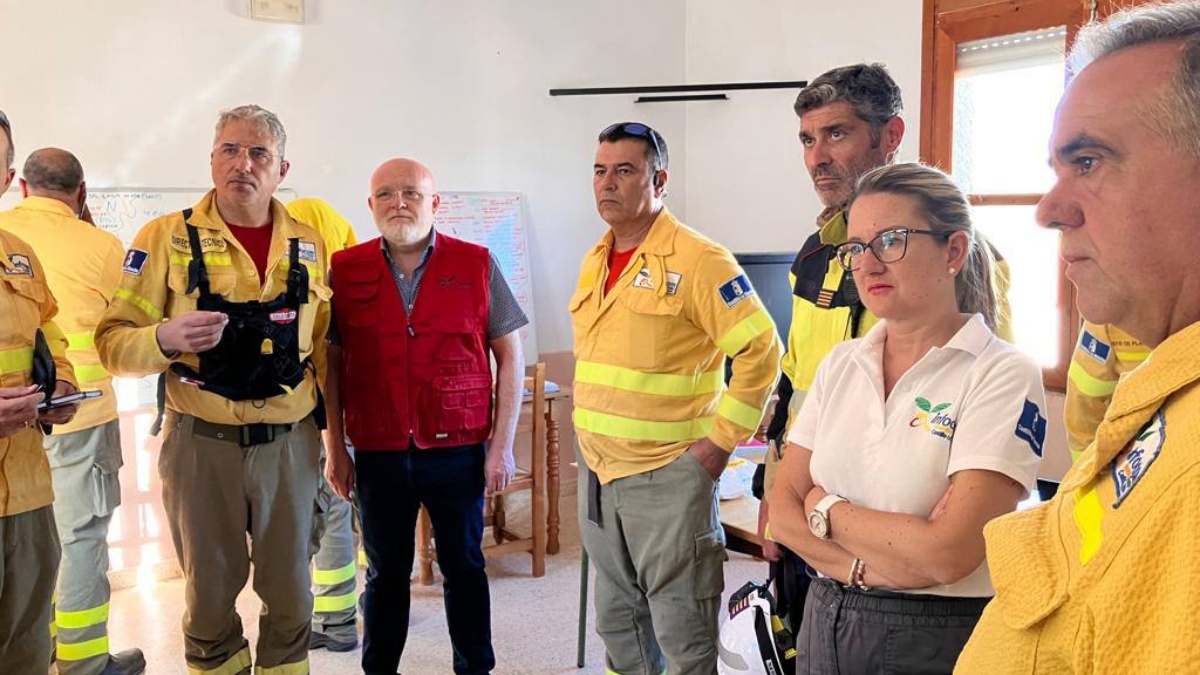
(47, 204)
(424, 256)
(972, 338)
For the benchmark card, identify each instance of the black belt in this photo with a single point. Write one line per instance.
(244, 435)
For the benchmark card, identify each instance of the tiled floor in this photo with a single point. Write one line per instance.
(534, 620)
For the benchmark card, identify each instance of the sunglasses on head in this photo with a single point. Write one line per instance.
(635, 129)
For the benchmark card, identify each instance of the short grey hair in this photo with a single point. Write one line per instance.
(1177, 115)
(266, 121)
(53, 170)
(944, 206)
(867, 87)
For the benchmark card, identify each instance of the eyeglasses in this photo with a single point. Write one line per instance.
(888, 246)
(637, 130)
(258, 154)
(409, 194)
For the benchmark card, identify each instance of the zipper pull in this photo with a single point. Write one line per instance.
(411, 332)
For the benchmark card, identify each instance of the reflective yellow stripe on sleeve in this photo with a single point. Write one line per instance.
(84, 618)
(1090, 385)
(16, 360)
(1132, 355)
(662, 384)
(82, 340)
(1089, 516)
(739, 413)
(93, 373)
(641, 430)
(154, 313)
(736, 338)
(79, 651)
(334, 577)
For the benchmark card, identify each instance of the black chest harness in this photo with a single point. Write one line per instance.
(259, 353)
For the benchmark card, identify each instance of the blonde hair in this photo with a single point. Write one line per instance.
(945, 207)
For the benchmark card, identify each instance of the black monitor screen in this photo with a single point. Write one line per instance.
(768, 273)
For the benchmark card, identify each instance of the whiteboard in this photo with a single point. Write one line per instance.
(496, 220)
(124, 210)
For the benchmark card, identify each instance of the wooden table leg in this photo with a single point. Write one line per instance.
(551, 480)
(424, 548)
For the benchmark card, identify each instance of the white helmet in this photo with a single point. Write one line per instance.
(753, 638)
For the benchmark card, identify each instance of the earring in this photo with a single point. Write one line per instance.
(951, 271)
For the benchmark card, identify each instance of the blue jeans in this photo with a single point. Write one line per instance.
(391, 486)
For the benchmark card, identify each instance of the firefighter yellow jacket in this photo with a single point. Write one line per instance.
(154, 287)
(26, 305)
(83, 268)
(650, 355)
(1103, 578)
(334, 228)
(1102, 354)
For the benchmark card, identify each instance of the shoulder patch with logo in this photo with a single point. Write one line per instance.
(1135, 460)
(643, 279)
(19, 265)
(135, 259)
(308, 250)
(1095, 347)
(736, 290)
(1031, 427)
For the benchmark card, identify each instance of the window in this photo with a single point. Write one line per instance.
(993, 72)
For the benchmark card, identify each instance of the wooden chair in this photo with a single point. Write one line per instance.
(530, 477)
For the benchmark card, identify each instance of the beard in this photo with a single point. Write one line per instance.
(846, 177)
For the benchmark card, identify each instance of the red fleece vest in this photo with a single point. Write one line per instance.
(425, 376)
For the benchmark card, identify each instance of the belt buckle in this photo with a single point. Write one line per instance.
(255, 434)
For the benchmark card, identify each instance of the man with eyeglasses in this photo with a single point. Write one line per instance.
(849, 124)
(83, 264)
(657, 310)
(227, 301)
(418, 316)
(33, 367)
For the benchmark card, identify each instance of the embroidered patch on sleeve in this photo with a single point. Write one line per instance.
(135, 259)
(1094, 347)
(736, 290)
(19, 265)
(1031, 427)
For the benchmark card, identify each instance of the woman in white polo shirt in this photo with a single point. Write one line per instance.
(910, 440)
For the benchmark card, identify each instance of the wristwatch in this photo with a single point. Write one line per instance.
(818, 520)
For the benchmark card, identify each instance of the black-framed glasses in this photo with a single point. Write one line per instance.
(888, 246)
(636, 130)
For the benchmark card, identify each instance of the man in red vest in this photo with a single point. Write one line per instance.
(410, 382)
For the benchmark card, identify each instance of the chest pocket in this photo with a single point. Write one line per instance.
(222, 279)
(653, 327)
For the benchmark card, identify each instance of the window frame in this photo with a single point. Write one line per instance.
(948, 23)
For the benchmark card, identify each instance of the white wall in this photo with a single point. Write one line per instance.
(460, 85)
(746, 182)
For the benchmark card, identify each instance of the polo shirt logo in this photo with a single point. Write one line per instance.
(932, 419)
(1133, 462)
